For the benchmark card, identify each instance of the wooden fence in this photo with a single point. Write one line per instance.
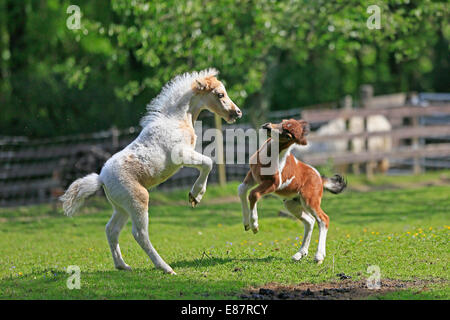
(412, 132)
(37, 171)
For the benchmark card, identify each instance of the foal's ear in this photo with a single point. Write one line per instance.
(205, 84)
(199, 85)
(306, 127)
(298, 129)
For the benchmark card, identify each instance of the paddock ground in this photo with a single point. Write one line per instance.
(399, 223)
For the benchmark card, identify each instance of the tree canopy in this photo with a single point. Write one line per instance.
(272, 55)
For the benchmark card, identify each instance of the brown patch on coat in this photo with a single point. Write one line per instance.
(306, 183)
(140, 195)
(186, 127)
(206, 84)
(135, 172)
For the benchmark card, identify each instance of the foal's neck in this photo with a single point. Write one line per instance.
(194, 108)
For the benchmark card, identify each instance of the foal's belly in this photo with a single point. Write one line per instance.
(152, 181)
(151, 174)
(287, 194)
(148, 169)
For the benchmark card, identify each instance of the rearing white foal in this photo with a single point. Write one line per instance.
(149, 160)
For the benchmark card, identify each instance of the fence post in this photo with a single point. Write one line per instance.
(415, 144)
(115, 137)
(366, 94)
(348, 105)
(219, 150)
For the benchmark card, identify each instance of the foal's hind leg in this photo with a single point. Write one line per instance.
(113, 228)
(138, 210)
(323, 221)
(296, 209)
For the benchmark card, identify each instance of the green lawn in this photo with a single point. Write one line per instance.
(403, 231)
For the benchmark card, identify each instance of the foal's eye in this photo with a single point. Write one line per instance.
(287, 132)
(220, 95)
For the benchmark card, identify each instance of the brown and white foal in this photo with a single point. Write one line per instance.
(299, 184)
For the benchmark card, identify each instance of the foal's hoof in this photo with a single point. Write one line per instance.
(124, 267)
(255, 230)
(299, 255)
(166, 269)
(192, 200)
(246, 227)
(319, 258)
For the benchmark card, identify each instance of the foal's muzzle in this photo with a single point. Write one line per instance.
(235, 114)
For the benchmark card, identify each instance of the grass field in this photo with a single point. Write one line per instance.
(400, 224)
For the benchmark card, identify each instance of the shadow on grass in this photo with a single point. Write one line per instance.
(153, 284)
(147, 283)
(211, 261)
(140, 283)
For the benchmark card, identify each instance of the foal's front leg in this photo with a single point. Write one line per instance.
(243, 193)
(264, 188)
(194, 159)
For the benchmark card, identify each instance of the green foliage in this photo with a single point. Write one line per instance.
(271, 54)
(328, 169)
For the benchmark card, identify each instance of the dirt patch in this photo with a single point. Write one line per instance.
(337, 290)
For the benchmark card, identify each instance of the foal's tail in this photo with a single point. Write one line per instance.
(79, 190)
(335, 185)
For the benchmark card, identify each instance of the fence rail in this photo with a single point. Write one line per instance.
(38, 170)
(398, 112)
(401, 133)
(437, 150)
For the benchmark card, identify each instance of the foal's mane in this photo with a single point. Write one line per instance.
(172, 92)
